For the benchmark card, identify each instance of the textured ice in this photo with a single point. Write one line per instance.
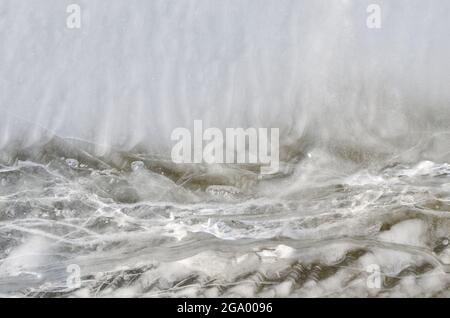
(86, 178)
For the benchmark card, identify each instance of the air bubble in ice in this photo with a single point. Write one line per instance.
(136, 165)
(225, 191)
(73, 163)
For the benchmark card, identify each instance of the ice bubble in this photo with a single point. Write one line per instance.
(73, 163)
(136, 165)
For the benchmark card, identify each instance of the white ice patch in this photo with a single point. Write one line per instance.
(25, 258)
(410, 232)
